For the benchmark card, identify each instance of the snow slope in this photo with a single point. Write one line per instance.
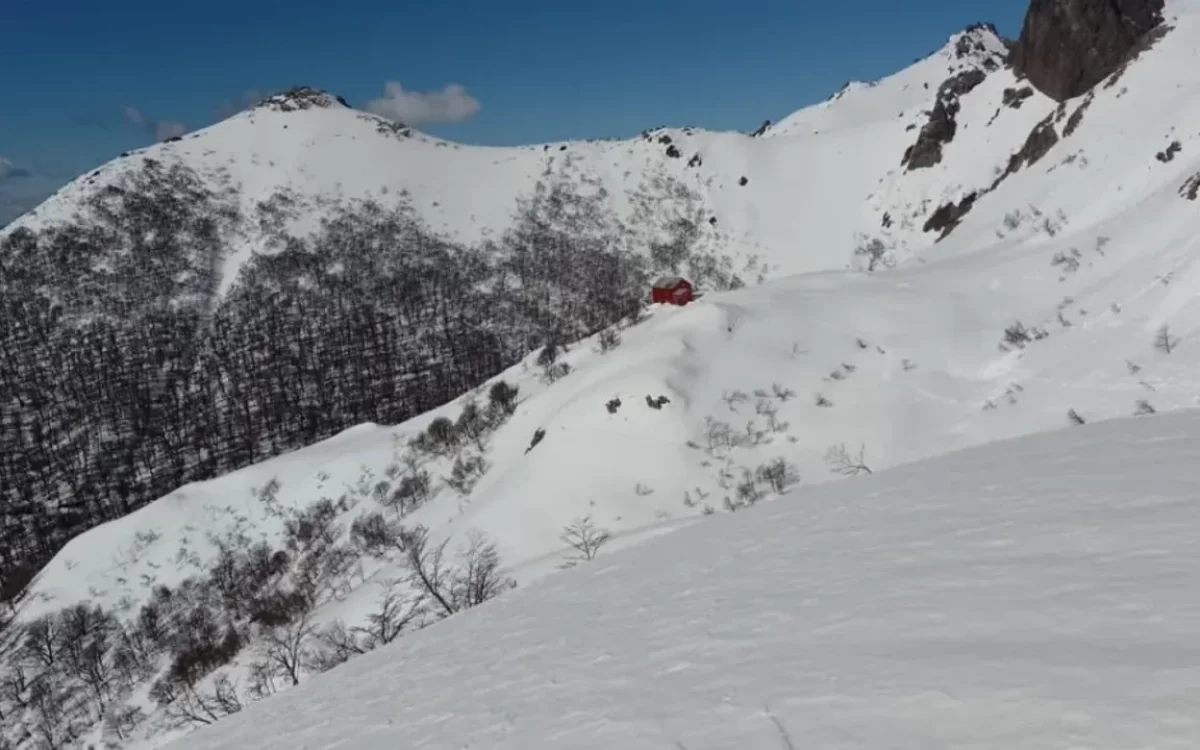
(1038, 593)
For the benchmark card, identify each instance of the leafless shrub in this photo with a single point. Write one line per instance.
(778, 474)
(466, 472)
(585, 538)
(453, 587)
(372, 534)
(184, 705)
(608, 340)
(1143, 408)
(1074, 418)
(733, 398)
(289, 649)
(1164, 341)
(842, 462)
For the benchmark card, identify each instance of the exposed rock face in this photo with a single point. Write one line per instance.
(301, 97)
(1068, 46)
(941, 127)
(948, 215)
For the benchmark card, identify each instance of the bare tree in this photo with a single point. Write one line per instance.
(288, 648)
(184, 705)
(841, 462)
(585, 538)
(453, 586)
(478, 577)
(1164, 341)
(399, 610)
(779, 474)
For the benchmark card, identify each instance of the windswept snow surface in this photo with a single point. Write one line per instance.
(1038, 593)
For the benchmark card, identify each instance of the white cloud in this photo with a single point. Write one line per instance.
(8, 169)
(451, 104)
(135, 116)
(160, 130)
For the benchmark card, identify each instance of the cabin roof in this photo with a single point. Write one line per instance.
(668, 282)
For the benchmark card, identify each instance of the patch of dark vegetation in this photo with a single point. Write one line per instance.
(125, 375)
(941, 125)
(1190, 189)
(1169, 152)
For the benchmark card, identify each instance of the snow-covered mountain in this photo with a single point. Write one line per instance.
(947, 258)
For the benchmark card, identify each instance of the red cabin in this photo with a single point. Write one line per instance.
(672, 290)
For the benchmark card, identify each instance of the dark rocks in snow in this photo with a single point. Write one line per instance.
(948, 215)
(300, 98)
(674, 152)
(743, 181)
(941, 127)
(1068, 46)
(656, 403)
(538, 435)
(1041, 139)
(970, 43)
(695, 161)
(613, 405)
(761, 129)
(1014, 98)
(1076, 118)
(1169, 153)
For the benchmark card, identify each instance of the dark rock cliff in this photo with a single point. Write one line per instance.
(1068, 46)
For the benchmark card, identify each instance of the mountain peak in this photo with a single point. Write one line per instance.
(302, 97)
(979, 43)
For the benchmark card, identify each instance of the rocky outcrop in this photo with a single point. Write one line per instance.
(1068, 46)
(948, 215)
(941, 126)
(301, 97)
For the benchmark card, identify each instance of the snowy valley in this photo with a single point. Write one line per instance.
(292, 388)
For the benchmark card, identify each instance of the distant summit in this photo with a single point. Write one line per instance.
(302, 97)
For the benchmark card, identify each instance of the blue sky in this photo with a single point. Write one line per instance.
(84, 81)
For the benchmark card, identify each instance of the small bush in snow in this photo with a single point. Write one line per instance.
(842, 462)
(585, 538)
(608, 340)
(503, 397)
(778, 474)
(1164, 341)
